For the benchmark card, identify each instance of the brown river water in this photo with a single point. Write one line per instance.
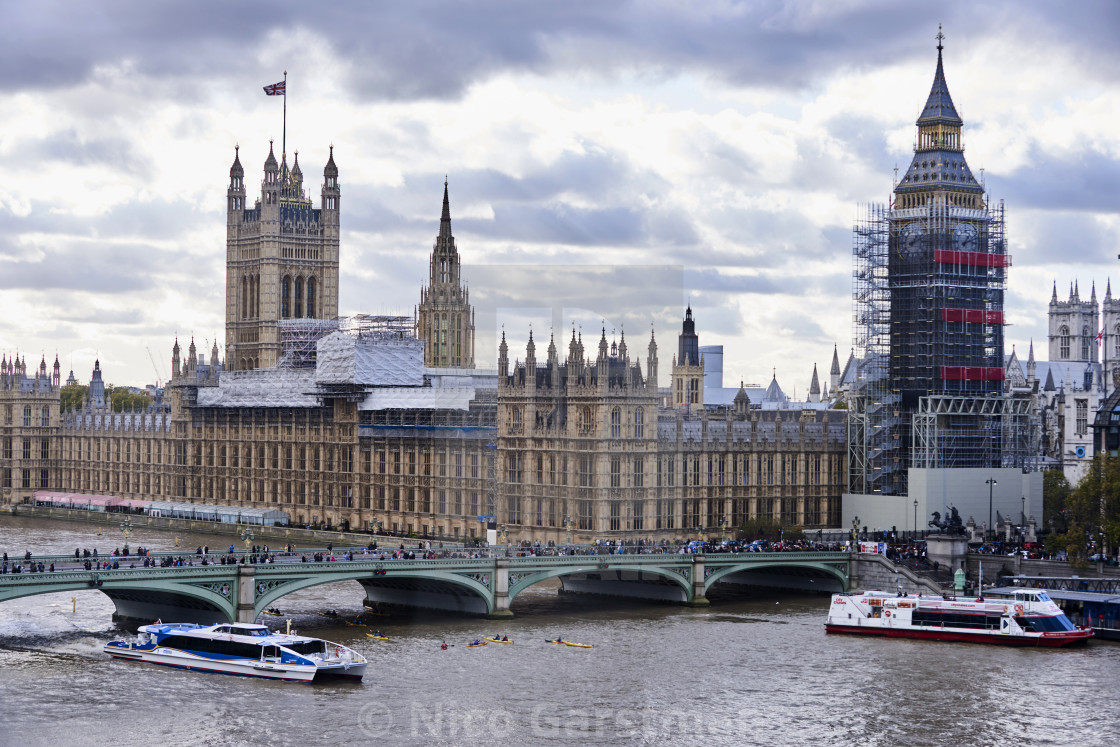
(748, 670)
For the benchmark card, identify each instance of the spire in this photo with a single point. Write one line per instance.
(1076, 292)
(236, 169)
(330, 169)
(1108, 291)
(835, 370)
(1054, 294)
(815, 387)
(270, 162)
(939, 108)
(1070, 293)
(445, 218)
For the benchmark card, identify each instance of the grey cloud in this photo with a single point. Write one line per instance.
(436, 50)
(1084, 180)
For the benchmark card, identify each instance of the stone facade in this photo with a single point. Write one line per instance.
(445, 318)
(281, 259)
(28, 426)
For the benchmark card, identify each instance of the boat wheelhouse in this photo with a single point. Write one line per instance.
(1031, 618)
(241, 649)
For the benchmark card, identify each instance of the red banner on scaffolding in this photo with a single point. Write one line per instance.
(973, 259)
(976, 316)
(972, 373)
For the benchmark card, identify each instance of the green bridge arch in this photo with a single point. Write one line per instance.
(531, 578)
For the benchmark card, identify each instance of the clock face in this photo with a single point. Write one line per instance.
(964, 237)
(910, 240)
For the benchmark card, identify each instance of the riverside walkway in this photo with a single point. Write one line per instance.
(240, 591)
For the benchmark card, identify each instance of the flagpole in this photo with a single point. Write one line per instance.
(284, 140)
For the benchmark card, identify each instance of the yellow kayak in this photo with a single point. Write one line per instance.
(499, 640)
(377, 637)
(569, 643)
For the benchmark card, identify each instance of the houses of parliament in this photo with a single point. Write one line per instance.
(386, 423)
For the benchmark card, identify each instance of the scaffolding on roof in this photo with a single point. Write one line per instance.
(298, 338)
(367, 326)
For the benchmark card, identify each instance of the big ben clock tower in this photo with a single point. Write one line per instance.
(930, 274)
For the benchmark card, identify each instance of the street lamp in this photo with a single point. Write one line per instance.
(915, 517)
(991, 484)
(855, 533)
(568, 527)
(723, 527)
(126, 527)
(247, 537)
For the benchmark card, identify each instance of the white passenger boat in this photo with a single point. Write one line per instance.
(242, 649)
(1031, 618)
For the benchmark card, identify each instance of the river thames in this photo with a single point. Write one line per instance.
(747, 670)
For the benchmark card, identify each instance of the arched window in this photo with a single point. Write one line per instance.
(585, 420)
(515, 420)
(1063, 342)
(1116, 341)
(639, 424)
(285, 297)
(311, 298)
(298, 311)
(616, 423)
(1085, 338)
(244, 297)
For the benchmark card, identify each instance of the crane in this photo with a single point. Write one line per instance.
(154, 366)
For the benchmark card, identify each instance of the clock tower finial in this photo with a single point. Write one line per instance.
(940, 37)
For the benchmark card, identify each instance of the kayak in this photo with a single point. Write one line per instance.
(569, 643)
(498, 640)
(277, 613)
(328, 613)
(476, 645)
(377, 637)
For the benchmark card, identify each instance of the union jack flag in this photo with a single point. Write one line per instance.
(276, 89)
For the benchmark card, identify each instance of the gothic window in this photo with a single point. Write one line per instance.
(639, 472)
(515, 420)
(298, 308)
(1082, 417)
(616, 472)
(285, 297)
(27, 416)
(311, 297)
(585, 420)
(46, 416)
(694, 392)
(1116, 340)
(639, 424)
(1063, 339)
(615, 516)
(616, 423)
(1085, 343)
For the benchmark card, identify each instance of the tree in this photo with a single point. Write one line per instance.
(71, 397)
(122, 399)
(1055, 493)
(1091, 511)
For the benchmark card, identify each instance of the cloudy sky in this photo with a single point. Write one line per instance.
(609, 162)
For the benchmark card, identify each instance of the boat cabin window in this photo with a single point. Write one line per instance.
(222, 629)
(238, 630)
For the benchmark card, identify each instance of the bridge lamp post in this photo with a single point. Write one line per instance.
(568, 527)
(247, 537)
(915, 517)
(126, 527)
(855, 533)
(991, 484)
(723, 527)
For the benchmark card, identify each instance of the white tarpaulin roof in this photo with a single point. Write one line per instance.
(271, 387)
(419, 398)
(345, 359)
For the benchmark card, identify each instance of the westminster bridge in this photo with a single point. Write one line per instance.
(474, 585)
